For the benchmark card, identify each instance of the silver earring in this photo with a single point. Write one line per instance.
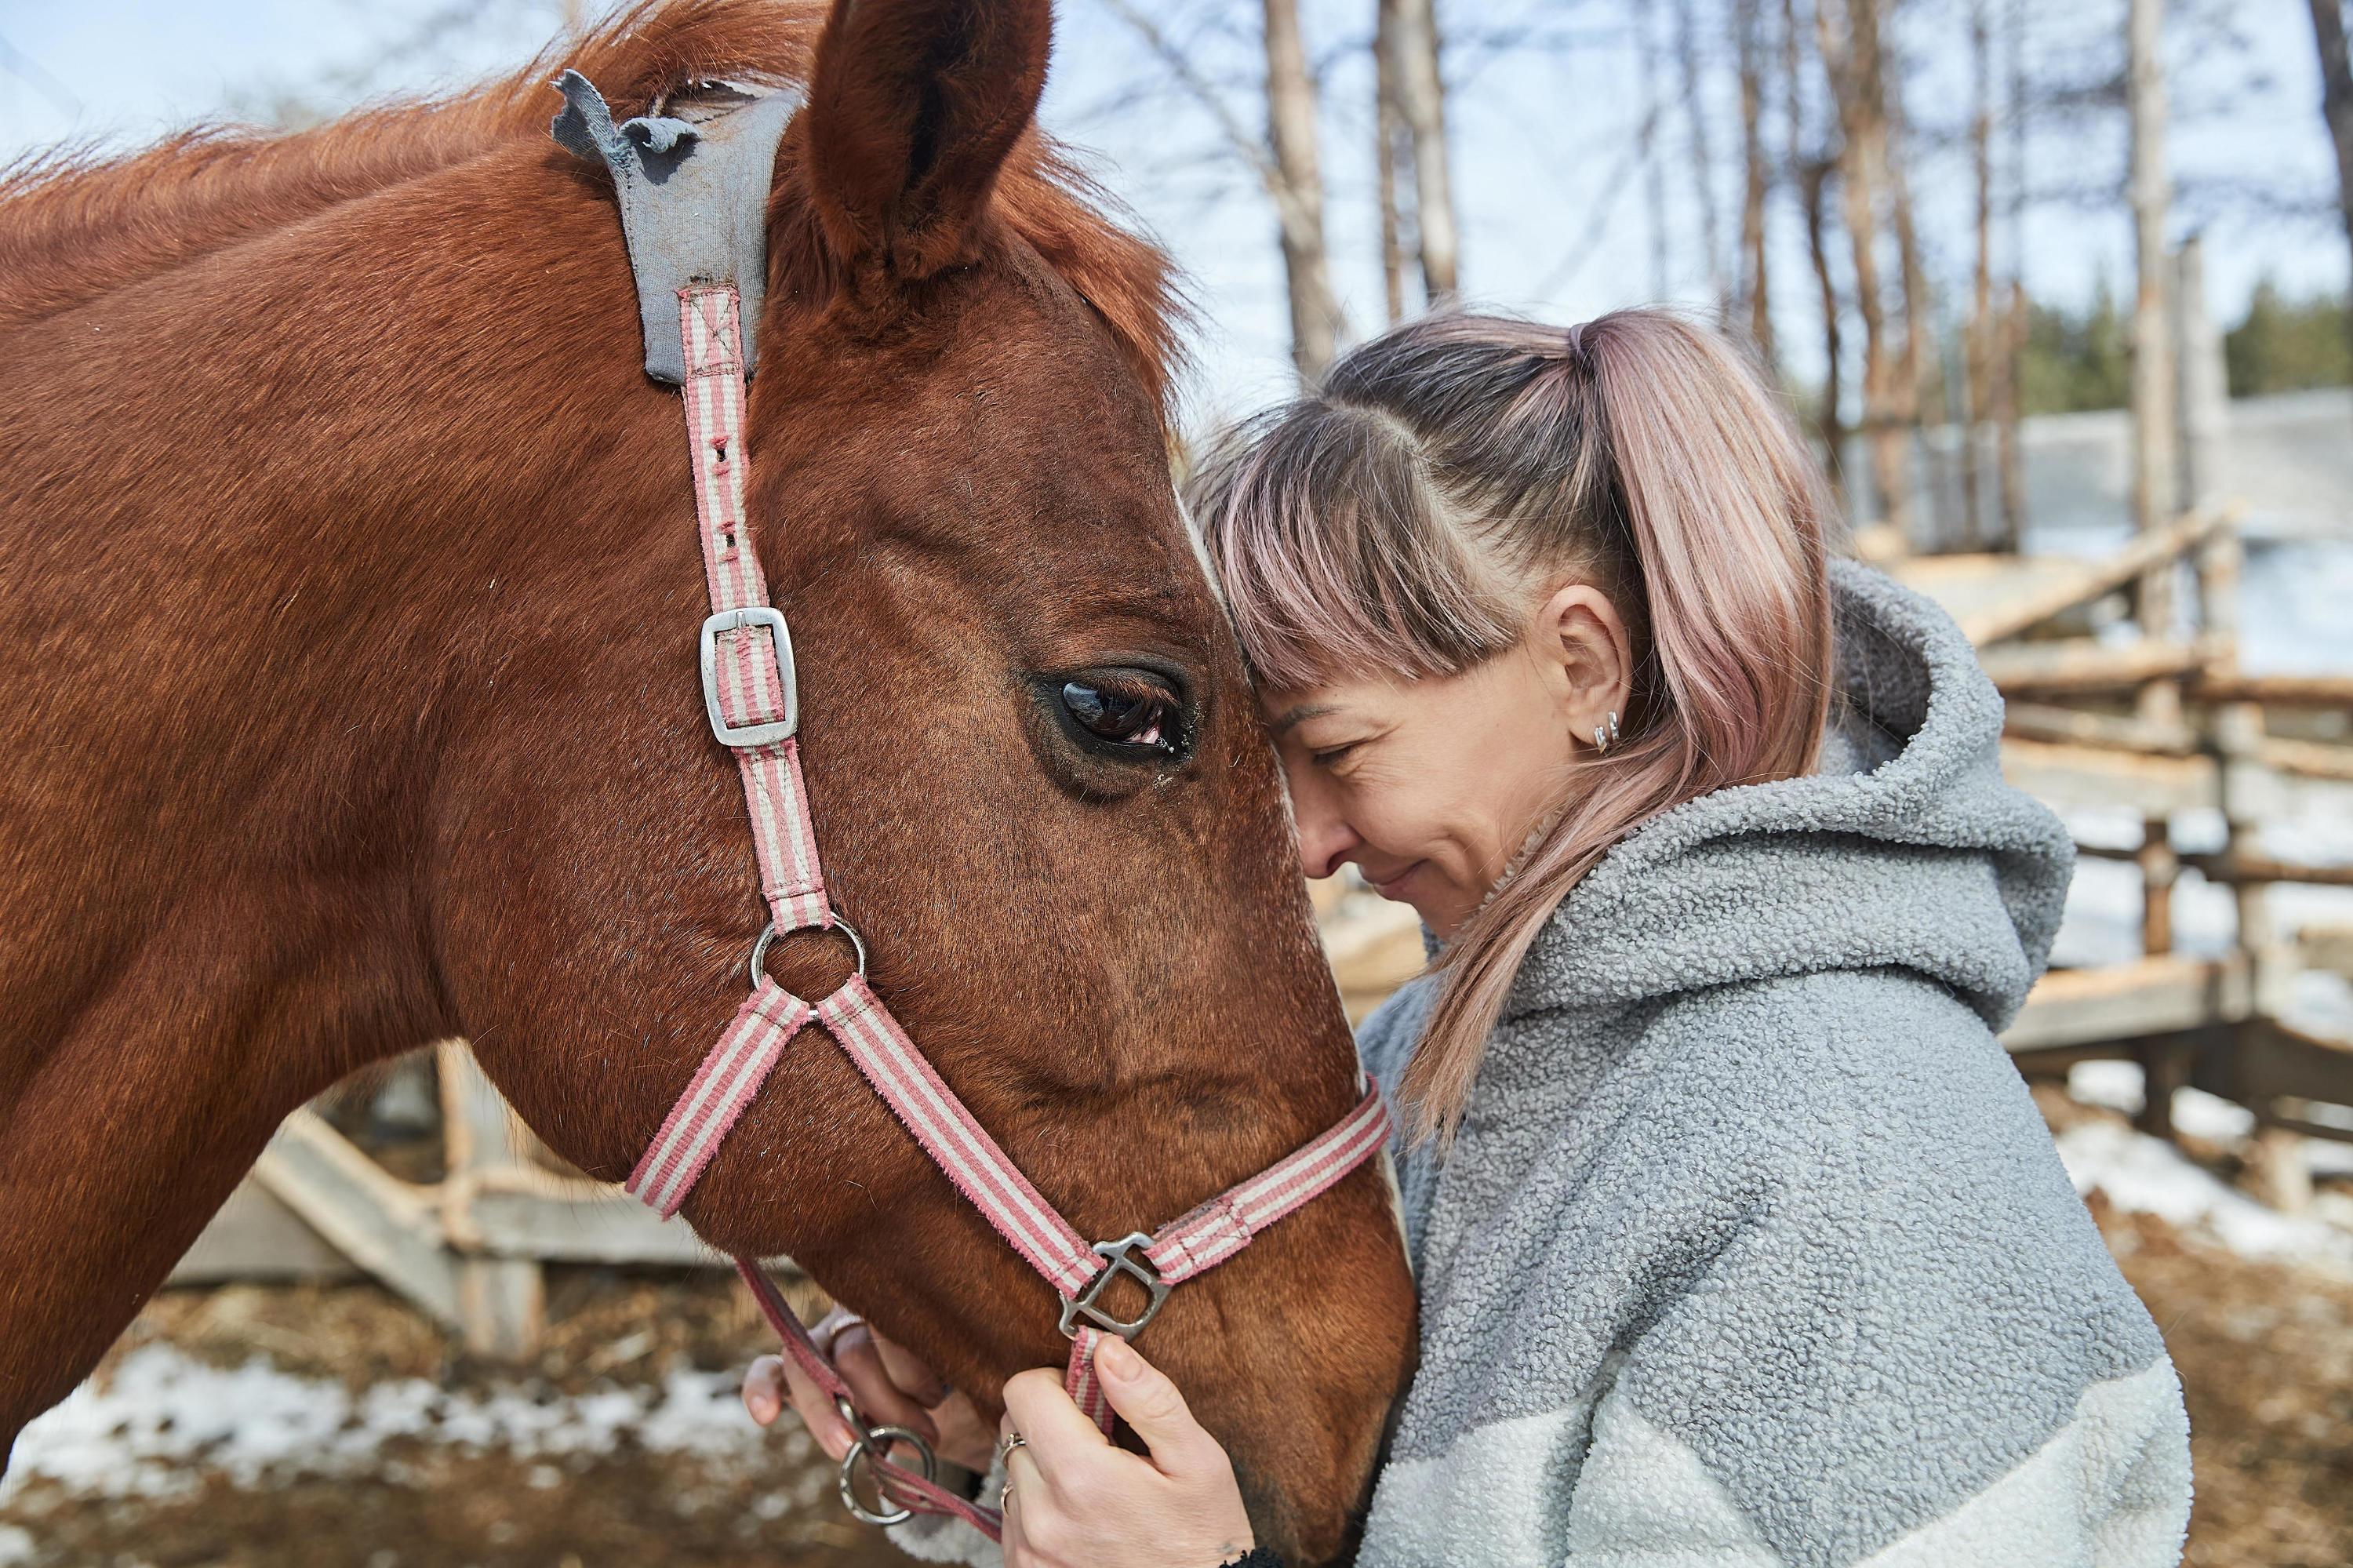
(1606, 737)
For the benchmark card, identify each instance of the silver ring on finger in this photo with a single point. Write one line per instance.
(1012, 1440)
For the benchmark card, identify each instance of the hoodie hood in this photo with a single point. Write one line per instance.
(1905, 849)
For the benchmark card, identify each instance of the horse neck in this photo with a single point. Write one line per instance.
(274, 529)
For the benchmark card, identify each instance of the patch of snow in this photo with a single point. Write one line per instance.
(2140, 1174)
(163, 1414)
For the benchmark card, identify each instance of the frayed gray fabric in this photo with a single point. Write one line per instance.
(694, 203)
(1753, 1247)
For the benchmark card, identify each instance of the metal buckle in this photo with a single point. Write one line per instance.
(873, 1444)
(768, 731)
(1120, 1256)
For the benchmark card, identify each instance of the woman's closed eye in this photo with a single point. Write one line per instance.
(1329, 757)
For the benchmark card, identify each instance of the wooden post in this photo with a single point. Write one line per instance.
(502, 1301)
(2202, 384)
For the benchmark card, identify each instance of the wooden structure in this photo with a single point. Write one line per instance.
(467, 1249)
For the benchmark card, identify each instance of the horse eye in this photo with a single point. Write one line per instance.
(1137, 711)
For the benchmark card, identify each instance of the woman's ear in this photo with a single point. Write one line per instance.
(913, 107)
(1581, 641)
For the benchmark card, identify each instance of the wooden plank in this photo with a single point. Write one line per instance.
(255, 1237)
(2149, 550)
(2285, 691)
(2074, 726)
(382, 1224)
(2272, 1060)
(2081, 664)
(2070, 776)
(2149, 996)
(600, 1224)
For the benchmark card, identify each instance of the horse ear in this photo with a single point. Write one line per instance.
(913, 106)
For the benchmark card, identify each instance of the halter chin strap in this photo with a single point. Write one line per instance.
(749, 694)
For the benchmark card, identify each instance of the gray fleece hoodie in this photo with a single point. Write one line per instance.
(1753, 1248)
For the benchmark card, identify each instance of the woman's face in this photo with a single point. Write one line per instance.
(1429, 787)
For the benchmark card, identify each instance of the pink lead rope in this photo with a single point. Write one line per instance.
(750, 692)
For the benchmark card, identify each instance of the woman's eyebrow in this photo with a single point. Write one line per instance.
(1302, 713)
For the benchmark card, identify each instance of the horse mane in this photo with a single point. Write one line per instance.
(75, 227)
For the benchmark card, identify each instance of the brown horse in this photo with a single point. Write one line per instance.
(348, 701)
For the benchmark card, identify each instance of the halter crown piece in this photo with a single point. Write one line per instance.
(693, 199)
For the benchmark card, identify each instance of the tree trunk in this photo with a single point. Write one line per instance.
(1654, 181)
(1291, 130)
(1755, 294)
(2009, 392)
(1851, 60)
(1978, 342)
(1421, 101)
(1702, 165)
(1810, 175)
(2153, 465)
(2009, 448)
(1388, 132)
(2336, 104)
(1920, 393)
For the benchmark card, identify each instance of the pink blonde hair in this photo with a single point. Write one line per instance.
(1405, 519)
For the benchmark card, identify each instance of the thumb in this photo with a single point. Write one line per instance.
(1146, 1399)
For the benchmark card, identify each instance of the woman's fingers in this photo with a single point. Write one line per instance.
(764, 1389)
(880, 1398)
(912, 1373)
(1151, 1405)
(815, 1407)
(1057, 1431)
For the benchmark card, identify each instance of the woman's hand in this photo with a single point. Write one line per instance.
(1073, 1501)
(890, 1385)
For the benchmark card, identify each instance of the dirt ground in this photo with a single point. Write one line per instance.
(2265, 1351)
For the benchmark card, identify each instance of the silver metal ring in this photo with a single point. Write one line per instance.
(833, 921)
(874, 1445)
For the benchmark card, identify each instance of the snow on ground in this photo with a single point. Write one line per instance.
(162, 1415)
(2146, 1175)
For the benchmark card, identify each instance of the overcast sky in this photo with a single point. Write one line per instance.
(1551, 224)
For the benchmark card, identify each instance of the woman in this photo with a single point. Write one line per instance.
(1738, 1239)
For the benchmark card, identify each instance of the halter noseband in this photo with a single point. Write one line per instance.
(750, 694)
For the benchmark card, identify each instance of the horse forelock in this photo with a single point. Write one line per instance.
(74, 227)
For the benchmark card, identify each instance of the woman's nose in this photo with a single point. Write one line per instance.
(1325, 840)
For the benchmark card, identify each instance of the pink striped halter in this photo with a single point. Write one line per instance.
(748, 688)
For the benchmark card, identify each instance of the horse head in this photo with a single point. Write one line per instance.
(1035, 772)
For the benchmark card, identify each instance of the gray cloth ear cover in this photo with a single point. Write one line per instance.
(694, 203)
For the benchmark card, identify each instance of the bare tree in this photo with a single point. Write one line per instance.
(1853, 59)
(1284, 160)
(2336, 102)
(1920, 394)
(1755, 292)
(1412, 38)
(1291, 130)
(2009, 394)
(1389, 149)
(1702, 165)
(1810, 172)
(1654, 184)
(1977, 349)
